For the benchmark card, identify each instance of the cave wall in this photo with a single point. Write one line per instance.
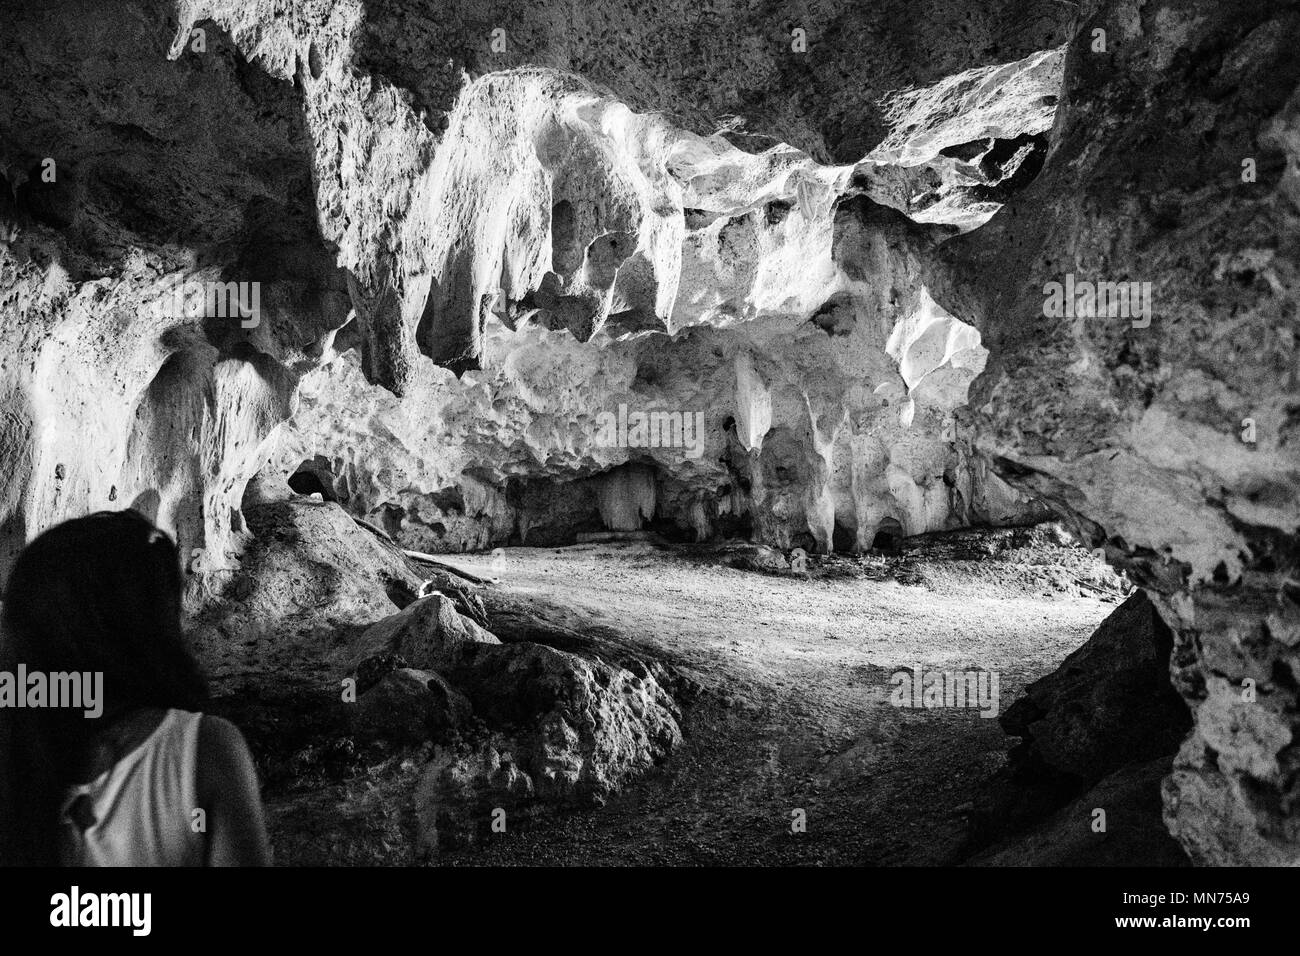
(458, 209)
(1172, 437)
(126, 178)
(606, 262)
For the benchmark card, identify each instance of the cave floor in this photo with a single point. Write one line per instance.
(797, 716)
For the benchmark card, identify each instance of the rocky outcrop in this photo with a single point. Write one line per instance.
(409, 706)
(1110, 703)
(1132, 832)
(310, 585)
(1098, 733)
(567, 729)
(681, 332)
(307, 647)
(549, 724)
(563, 729)
(429, 633)
(1170, 434)
(545, 239)
(581, 725)
(461, 794)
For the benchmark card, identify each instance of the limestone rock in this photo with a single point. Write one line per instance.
(756, 558)
(310, 584)
(464, 255)
(376, 667)
(1165, 430)
(1134, 834)
(581, 725)
(429, 633)
(459, 793)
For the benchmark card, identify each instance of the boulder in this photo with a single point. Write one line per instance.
(581, 725)
(1134, 833)
(1109, 703)
(1108, 708)
(458, 792)
(430, 633)
(409, 706)
(376, 667)
(751, 557)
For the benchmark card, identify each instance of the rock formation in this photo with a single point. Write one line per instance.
(1172, 435)
(1104, 727)
(494, 275)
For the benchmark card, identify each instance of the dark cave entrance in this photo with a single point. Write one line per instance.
(391, 518)
(315, 477)
(843, 539)
(889, 536)
(309, 483)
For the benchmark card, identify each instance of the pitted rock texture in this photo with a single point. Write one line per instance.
(459, 217)
(582, 725)
(605, 266)
(567, 729)
(309, 637)
(1140, 429)
(190, 169)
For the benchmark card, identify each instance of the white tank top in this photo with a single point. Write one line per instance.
(143, 807)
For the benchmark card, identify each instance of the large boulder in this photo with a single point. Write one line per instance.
(1108, 709)
(550, 724)
(1131, 833)
(309, 586)
(581, 725)
(566, 729)
(1109, 703)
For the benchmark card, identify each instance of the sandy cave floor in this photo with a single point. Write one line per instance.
(800, 717)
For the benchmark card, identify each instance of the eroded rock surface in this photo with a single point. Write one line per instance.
(1172, 436)
(553, 242)
(429, 633)
(467, 256)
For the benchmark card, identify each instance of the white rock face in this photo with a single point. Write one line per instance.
(592, 265)
(566, 254)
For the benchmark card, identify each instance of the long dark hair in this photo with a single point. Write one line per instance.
(95, 594)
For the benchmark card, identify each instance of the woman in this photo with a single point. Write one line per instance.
(148, 781)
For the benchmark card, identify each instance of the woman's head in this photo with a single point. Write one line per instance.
(97, 595)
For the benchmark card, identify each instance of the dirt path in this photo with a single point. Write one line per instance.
(800, 719)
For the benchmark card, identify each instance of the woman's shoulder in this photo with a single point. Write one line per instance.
(218, 732)
(223, 755)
